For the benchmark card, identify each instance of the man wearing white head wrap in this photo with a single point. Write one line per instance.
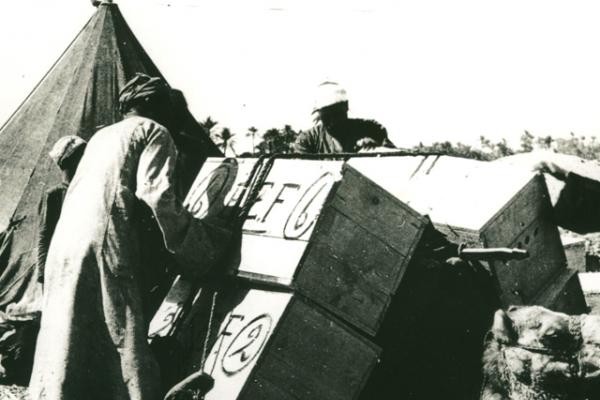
(93, 333)
(334, 132)
(65, 149)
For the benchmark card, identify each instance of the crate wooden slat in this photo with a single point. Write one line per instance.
(319, 227)
(564, 294)
(170, 310)
(277, 346)
(530, 215)
(481, 204)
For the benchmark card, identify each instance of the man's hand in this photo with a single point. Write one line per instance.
(365, 143)
(549, 167)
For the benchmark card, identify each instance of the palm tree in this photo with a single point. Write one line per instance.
(252, 133)
(226, 139)
(208, 124)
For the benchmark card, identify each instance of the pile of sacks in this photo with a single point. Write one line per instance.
(534, 353)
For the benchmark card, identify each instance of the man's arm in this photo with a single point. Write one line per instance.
(371, 135)
(578, 205)
(196, 244)
(48, 214)
(381, 135)
(304, 144)
(43, 239)
(388, 143)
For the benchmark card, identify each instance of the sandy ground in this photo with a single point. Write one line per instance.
(13, 393)
(590, 283)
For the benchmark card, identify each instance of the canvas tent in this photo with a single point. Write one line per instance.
(76, 97)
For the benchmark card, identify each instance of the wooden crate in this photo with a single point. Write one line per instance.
(481, 204)
(277, 346)
(319, 227)
(564, 294)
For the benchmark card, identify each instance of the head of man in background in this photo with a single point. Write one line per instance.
(331, 106)
(334, 131)
(66, 153)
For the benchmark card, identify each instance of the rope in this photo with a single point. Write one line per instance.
(263, 172)
(249, 187)
(208, 330)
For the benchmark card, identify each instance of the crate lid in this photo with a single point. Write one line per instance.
(453, 191)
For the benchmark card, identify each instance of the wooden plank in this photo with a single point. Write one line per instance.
(451, 191)
(351, 272)
(164, 319)
(328, 362)
(526, 222)
(374, 209)
(270, 259)
(520, 281)
(457, 234)
(292, 198)
(546, 255)
(367, 256)
(264, 389)
(532, 202)
(241, 342)
(218, 186)
(289, 201)
(339, 288)
(275, 346)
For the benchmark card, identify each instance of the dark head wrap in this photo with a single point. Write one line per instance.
(141, 87)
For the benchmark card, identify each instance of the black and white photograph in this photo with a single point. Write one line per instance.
(299, 200)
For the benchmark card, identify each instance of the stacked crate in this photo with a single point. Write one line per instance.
(277, 345)
(323, 251)
(331, 247)
(488, 205)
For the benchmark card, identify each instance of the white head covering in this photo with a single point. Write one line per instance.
(329, 93)
(65, 147)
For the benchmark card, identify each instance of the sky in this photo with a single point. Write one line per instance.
(429, 70)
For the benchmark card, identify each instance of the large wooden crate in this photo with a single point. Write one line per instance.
(277, 346)
(481, 204)
(319, 227)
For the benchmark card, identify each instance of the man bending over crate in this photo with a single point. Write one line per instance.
(92, 342)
